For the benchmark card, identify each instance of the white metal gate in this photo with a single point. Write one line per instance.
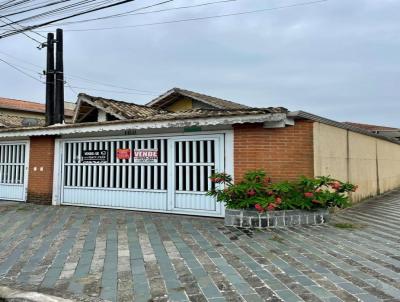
(13, 170)
(176, 180)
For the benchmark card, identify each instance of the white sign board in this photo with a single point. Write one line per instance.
(145, 156)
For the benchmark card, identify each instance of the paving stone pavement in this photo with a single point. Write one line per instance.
(89, 254)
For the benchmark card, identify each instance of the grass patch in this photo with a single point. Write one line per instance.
(277, 238)
(346, 225)
(23, 208)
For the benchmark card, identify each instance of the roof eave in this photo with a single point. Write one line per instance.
(140, 125)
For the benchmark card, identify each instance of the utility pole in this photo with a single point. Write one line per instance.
(50, 80)
(59, 95)
(55, 79)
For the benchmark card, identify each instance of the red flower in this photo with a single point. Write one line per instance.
(278, 200)
(336, 185)
(316, 201)
(251, 192)
(270, 193)
(259, 208)
(309, 194)
(271, 207)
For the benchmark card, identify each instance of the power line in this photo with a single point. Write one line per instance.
(131, 13)
(21, 71)
(112, 91)
(25, 34)
(35, 8)
(68, 83)
(71, 76)
(199, 18)
(65, 18)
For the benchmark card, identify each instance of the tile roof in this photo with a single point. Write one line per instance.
(371, 127)
(210, 100)
(183, 116)
(142, 112)
(121, 108)
(201, 113)
(20, 105)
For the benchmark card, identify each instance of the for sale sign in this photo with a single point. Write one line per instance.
(145, 155)
(123, 153)
(94, 156)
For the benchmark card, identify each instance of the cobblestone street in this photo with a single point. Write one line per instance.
(97, 254)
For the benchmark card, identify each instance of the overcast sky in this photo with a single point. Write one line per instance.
(339, 58)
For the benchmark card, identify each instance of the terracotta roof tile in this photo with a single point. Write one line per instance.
(20, 105)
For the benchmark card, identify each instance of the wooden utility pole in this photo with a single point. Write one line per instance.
(50, 80)
(59, 100)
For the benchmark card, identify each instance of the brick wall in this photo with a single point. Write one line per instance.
(284, 153)
(41, 162)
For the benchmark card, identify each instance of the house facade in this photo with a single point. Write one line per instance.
(19, 113)
(158, 157)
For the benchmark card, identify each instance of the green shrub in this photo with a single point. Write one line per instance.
(257, 191)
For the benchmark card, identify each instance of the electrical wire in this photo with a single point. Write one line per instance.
(25, 34)
(131, 13)
(31, 27)
(199, 18)
(72, 76)
(21, 71)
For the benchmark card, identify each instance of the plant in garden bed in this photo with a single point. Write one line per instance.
(257, 191)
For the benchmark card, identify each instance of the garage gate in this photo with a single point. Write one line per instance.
(13, 170)
(165, 174)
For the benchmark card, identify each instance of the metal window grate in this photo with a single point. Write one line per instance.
(116, 173)
(12, 163)
(194, 163)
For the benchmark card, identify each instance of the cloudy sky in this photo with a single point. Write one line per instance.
(337, 58)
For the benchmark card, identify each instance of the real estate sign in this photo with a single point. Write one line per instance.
(145, 155)
(94, 156)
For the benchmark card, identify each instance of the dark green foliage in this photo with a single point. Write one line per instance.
(257, 191)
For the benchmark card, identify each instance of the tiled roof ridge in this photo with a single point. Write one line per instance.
(177, 89)
(113, 100)
(370, 126)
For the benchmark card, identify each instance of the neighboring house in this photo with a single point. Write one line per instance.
(158, 157)
(382, 130)
(18, 113)
(178, 99)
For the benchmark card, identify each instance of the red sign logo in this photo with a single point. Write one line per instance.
(123, 153)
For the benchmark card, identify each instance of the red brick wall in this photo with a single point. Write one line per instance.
(41, 157)
(284, 153)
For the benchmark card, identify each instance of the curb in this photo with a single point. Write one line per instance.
(13, 295)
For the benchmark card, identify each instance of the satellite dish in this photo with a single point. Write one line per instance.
(28, 122)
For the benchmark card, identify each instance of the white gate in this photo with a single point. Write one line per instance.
(13, 170)
(171, 177)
